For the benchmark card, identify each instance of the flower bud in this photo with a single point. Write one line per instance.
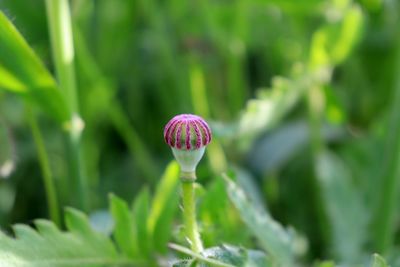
(187, 135)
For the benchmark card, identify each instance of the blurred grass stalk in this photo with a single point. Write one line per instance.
(384, 217)
(316, 105)
(216, 155)
(60, 28)
(48, 179)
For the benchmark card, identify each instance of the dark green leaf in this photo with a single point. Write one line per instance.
(22, 72)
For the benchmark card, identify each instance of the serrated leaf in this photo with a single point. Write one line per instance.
(164, 206)
(344, 207)
(270, 234)
(224, 255)
(124, 232)
(378, 261)
(197, 256)
(50, 247)
(23, 73)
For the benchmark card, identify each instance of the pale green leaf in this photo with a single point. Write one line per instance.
(124, 232)
(141, 207)
(275, 239)
(164, 206)
(378, 261)
(50, 247)
(344, 207)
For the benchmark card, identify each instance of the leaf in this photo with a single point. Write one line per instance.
(378, 261)
(270, 234)
(219, 220)
(227, 254)
(197, 256)
(332, 43)
(344, 206)
(164, 206)
(238, 256)
(102, 222)
(224, 256)
(325, 264)
(124, 232)
(140, 214)
(23, 73)
(269, 107)
(49, 247)
(286, 141)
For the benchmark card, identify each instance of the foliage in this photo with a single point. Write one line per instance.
(303, 98)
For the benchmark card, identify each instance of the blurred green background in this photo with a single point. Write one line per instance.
(303, 98)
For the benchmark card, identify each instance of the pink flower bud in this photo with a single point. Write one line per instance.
(187, 132)
(187, 135)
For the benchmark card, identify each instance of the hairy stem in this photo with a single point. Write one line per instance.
(189, 212)
(59, 21)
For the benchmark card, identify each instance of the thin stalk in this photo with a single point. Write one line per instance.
(59, 21)
(48, 179)
(189, 212)
(316, 106)
(133, 141)
(384, 217)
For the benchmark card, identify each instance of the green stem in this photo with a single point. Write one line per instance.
(315, 99)
(316, 106)
(189, 212)
(384, 221)
(50, 188)
(134, 142)
(59, 21)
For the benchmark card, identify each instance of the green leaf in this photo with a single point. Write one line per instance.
(49, 247)
(140, 214)
(200, 257)
(224, 256)
(269, 107)
(270, 234)
(286, 141)
(237, 256)
(219, 220)
(325, 264)
(164, 206)
(124, 232)
(23, 73)
(378, 261)
(332, 44)
(344, 206)
(227, 254)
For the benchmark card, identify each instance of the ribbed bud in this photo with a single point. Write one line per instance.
(187, 135)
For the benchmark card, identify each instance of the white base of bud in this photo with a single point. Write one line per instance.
(188, 159)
